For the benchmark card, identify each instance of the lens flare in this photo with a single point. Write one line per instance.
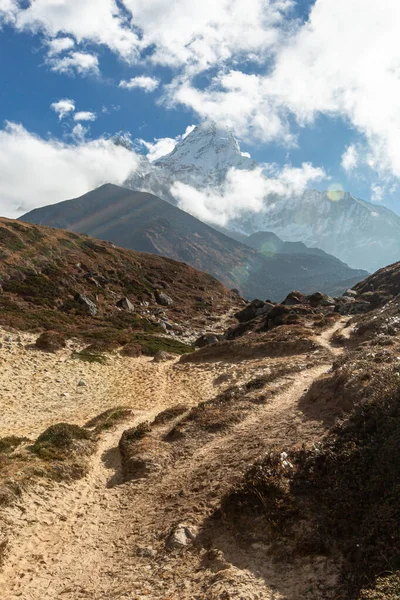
(335, 192)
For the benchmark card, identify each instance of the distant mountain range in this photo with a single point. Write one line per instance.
(361, 234)
(144, 222)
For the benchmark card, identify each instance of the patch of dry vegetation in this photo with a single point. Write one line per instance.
(142, 452)
(56, 281)
(281, 341)
(109, 418)
(60, 453)
(340, 498)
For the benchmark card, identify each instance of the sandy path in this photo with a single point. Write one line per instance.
(100, 541)
(39, 389)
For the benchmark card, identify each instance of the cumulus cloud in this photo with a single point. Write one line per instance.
(239, 101)
(79, 132)
(63, 107)
(95, 21)
(147, 84)
(199, 35)
(350, 158)
(183, 34)
(53, 170)
(84, 115)
(162, 146)
(81, 63)
(59, 45)
(8, 11)
(244, 191)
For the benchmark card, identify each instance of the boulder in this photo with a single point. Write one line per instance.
(206, 340)
(125, 304)
(162, 356)
(346, 305)
(320, 299)
(87, 303)
(351, 293)
(163, 299)
(294, 298)
(180, 537)
(253, 310)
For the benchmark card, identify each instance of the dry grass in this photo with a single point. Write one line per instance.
(281, 341)
(342, 495)
(109, 418)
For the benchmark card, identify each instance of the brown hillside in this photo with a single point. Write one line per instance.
(57, 280)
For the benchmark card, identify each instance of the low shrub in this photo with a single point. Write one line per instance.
(59, 441)
(109, 418)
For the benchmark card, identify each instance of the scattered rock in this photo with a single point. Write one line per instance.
(351, 293)
(347, 305)
(87, 303)
(126, 304)
(319, 299)
(81, 383)
(163, 299)
(146, 551)
(294, 298)
(206, 340)
(162, 356)
(254, 309)
(180, 537)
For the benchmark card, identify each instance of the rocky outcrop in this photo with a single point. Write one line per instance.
(88, 305)
(125, 304)
(206, 340)
(255, 309)
(163, 299)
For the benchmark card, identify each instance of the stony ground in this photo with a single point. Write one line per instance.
(105, 538)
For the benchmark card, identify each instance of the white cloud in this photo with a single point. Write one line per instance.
(147, 84)
(59, 45)
(377, 192)
(193, 36)
(8, 10)
(63, 107)
(81, 63)
(53, 170)
(350, 158)
(244, 192)
(162, 146)
(239, 101)
(200, 35)
(79, 132)
(96, 21)
(159, 148)
(84, 115)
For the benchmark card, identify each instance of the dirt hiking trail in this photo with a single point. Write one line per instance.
(101, 538)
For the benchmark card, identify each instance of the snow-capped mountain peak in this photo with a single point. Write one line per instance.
(205, 155)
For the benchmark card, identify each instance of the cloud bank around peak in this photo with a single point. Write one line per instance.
(54, 170)
(245, 191)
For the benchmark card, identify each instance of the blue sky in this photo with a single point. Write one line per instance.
(298, 82)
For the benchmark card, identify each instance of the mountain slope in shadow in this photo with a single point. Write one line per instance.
(142, 221)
